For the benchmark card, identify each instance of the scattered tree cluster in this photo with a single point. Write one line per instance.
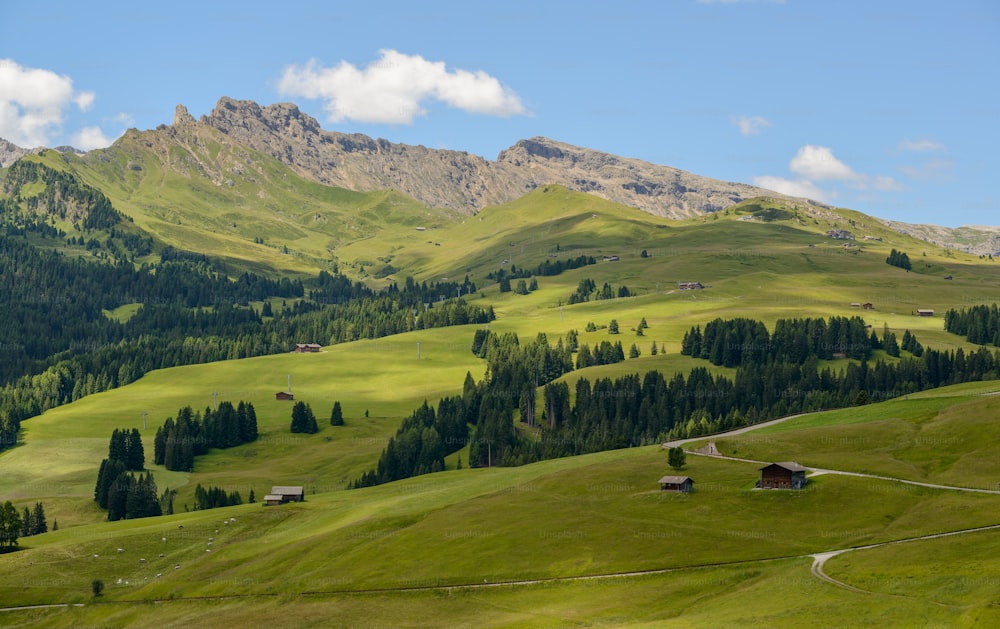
(547, 268)
(126, 496)
(215, 497)
(33, 521)
(587, 290)
(899, 259)
(180, 440)
(604, 353)
(303, 419)
(978, 324)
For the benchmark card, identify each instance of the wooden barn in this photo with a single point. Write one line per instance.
(284, 395)
(676, 483)
(306, 348)
(280, 494)
(921, 312)
(787, 475)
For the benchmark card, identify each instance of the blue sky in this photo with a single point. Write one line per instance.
(890, 108)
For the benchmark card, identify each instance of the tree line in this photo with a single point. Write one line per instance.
(547, 268)
(640, 409)
(191, 313)
(215, 497)
(740, 341)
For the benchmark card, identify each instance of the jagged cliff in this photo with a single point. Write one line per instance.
(456, 179)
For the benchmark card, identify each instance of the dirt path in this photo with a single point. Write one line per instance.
(820, 559)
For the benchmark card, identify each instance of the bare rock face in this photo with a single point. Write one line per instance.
(458, 180)
(10, 153)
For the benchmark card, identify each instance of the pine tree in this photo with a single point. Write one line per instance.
(252, 498)
(653, 351)
(676, 458)
(633, 351)
(38, 523)
(117, 447)
(303, 419)
(337, 415)
(135, 455)
(613, 327)
(27, 526)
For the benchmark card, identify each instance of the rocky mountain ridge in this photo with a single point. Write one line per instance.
(457, 179)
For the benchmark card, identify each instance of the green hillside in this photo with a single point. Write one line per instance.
(586, 540)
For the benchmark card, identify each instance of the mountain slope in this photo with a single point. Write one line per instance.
(456, 179)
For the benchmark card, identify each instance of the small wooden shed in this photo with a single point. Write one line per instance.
(676, 483)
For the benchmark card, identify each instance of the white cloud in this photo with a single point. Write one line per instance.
(921, 145)
(814, 163)
(33, 102)
(395, 88)
(751, 125)
(84, 100)
(797, 188)
(818, 162)
(90, 138)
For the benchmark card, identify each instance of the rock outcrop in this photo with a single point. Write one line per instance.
(459, 180)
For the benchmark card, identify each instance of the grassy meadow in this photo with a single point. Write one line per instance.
(433, 550)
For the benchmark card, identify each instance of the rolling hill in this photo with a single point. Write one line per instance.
(584, 540)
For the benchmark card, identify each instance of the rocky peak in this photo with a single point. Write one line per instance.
(458, 180)
(10, 152)
(182, 117)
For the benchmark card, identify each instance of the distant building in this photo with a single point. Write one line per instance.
(947, 277)
(925, 313)
(855, 304)
(676, 483)
(787, 475)
(690, 285)
(284, 396)
(280, 494)
(302, 348)
(840, 234)
(868, 306)
(611, 258)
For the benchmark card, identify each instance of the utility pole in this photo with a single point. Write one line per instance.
(418, 350)
(144, 420)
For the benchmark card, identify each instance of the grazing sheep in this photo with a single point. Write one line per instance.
(211, 539)
(177, 566)
(119, 582)
(159, 574)
(180, 526)
(208, 550)
(163, 539)
(161, 555)
(96, 555)
(142, 560)
(121, 550)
